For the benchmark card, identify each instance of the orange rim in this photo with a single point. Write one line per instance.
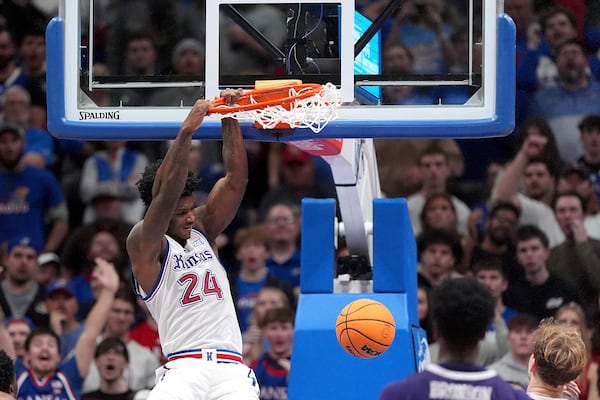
(270, 96)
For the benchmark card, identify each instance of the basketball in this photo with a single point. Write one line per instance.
(365, 328)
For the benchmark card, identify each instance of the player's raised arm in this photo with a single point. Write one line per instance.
(225, 197)
(145, 240)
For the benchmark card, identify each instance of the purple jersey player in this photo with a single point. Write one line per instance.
(462, 309)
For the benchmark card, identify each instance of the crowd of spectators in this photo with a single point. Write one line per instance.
(519, 213)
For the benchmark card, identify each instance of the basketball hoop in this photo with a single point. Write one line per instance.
(289, 106)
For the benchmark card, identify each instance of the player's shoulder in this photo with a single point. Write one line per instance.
(138, 247)
(405, 389)
(135, 232)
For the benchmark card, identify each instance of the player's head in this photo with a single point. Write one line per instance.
(7, 374)
(559, 354)
(183, 217)
(146, 182)
(42, 350)
(461, 310)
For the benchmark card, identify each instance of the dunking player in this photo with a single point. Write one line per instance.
(178, 275)
(461, 309)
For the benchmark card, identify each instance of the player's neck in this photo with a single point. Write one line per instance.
(537, 387)
(461, 355)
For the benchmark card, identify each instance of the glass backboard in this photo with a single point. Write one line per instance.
(136, 74)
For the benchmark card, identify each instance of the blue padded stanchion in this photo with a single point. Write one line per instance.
(321, 368)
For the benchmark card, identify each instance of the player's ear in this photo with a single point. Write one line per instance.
(532, 364)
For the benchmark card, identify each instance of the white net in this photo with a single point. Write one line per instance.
(313, 112)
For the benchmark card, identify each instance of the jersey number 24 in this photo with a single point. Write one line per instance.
(196, 287)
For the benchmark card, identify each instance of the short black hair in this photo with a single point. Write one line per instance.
(461, 309)
(281, 314)
(433, 148)
(504, 205)
(589, 122)
(522, 320)
(550, 165)
(569, 193)
(12, 128)
(112, 343)
(553, 11)
(527, 232)
(40, 331)
(146, 181)
(570, 42)
(7, 372)
(490, 264)
(441, 236)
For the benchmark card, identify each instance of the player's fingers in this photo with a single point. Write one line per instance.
(231, 95)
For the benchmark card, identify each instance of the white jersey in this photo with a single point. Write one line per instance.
(191, 300)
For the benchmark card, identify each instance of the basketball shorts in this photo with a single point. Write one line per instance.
(206, 378)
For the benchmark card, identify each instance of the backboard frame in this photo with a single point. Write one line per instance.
(494, 118)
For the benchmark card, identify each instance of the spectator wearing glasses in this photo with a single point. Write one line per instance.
(497, 242)
(282, 228)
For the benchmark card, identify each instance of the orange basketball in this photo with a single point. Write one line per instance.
(365, 328)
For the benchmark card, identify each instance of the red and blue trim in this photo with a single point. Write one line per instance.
(223, 356)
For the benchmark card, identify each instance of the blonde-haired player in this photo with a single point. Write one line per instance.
(559, 357)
